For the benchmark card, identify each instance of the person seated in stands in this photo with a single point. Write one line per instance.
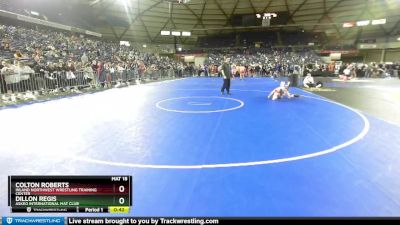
(367, 71)
(396, 72)
(18, 55)
(5, 46)
(309, 82)
(281, 91)
(382, 72)
(3, 88)
(331, 67)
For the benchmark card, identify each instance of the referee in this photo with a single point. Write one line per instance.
(226, 74)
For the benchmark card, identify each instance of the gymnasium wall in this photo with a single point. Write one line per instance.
(375, 55)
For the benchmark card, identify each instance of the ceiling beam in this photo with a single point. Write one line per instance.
(220, 9)
(199, 18)
(172, 20)
(252, 7)
(295, 11)
(137, 16)
(228, 18)
(103, 6)
(143, 24)
(202, 13)
(263, 28)
(358, 36)
(326, 15)
(267, 6)
(327, 11)
(162, 28)
(380, 25)
(288, 9)
(394, 28)
(145, 28)
(342, 37)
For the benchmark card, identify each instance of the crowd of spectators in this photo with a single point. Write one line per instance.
(38, 58)
(372, 70)
(267, 61)
(33, 59)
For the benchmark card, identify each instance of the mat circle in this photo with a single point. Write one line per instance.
(160, 106)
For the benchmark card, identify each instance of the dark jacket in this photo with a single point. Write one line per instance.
(227, 70)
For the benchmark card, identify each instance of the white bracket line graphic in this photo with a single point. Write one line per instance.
(199, 103)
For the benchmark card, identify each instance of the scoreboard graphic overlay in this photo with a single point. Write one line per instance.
(75, 194)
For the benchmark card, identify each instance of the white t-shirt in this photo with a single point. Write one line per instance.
(308, 79)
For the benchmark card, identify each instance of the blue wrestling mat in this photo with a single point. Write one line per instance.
(194, 152)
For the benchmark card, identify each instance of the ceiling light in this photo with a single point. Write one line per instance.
(165, 32)
(362, 23)
(348, 24)
(176, 33)
(34, 13)
(186, 33)
(377, 22)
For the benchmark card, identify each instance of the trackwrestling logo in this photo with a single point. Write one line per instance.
(33, 220)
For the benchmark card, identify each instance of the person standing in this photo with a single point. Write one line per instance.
(226, 74)
(206, 70)
(199, 71)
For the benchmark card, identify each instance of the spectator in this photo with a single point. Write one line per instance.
(308, 82)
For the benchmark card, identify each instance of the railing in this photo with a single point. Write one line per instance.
(22, 87)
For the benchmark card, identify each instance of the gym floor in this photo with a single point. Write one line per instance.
(377, 97)
(194, 152)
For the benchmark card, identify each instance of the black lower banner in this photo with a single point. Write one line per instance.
(213, 221)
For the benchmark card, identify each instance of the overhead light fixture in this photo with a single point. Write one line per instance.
(124, 2)
(165, 32)
(270, 15)
(186, 33)
(266, 15)
(34, 13)
(125, 43)
(398, 38)
(362, 23)
(176, 33)
(179, 49)
(348, 24)
(380, 21)
(144, 46)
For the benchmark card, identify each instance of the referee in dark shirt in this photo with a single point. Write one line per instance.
(226, 74)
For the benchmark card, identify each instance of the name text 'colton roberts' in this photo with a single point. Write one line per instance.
(42, 185)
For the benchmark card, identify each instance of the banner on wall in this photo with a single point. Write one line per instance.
(335, 56)
(189, 59)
